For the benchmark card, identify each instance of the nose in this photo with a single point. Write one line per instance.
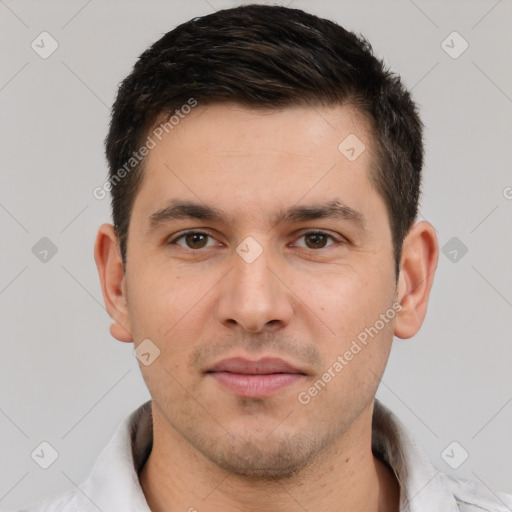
(254, 295)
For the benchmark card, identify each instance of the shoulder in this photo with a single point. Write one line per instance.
(474, 496)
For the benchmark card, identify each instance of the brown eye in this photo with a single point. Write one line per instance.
(196, 240)
(316, 240)
(193, 240)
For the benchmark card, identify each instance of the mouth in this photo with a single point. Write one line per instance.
(255, 379)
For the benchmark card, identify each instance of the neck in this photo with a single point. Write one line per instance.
(345, 476)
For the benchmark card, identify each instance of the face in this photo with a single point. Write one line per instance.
(272, 300)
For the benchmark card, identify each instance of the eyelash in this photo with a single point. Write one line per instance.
(174, 240)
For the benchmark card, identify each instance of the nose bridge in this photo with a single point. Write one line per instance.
(252, 269)
(252, 294)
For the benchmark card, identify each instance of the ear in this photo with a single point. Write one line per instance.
(420, 253)
(110, 269)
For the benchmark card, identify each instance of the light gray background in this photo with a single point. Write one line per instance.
(64, 380)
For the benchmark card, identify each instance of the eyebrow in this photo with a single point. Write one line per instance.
(178, 209)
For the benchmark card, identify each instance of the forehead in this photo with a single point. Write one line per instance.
(300, 130)
(237, 157)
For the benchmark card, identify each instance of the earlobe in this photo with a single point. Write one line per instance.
(111, 274)
(119, 332)
(420, 254)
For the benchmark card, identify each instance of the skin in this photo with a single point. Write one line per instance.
(303, 299)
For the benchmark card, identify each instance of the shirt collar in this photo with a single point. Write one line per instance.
(113, 483)
(422, 487)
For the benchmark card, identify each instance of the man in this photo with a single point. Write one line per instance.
(265, 171)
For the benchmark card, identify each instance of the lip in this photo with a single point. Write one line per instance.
(255, 379)
(262, 366)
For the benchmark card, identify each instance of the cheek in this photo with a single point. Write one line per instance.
(354, 358)
(348, 303)
(356, 348)
(160, 298)
(172, 311)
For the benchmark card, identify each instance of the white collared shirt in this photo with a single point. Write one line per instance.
(113, 484)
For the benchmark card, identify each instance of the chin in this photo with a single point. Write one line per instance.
(263, 459)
